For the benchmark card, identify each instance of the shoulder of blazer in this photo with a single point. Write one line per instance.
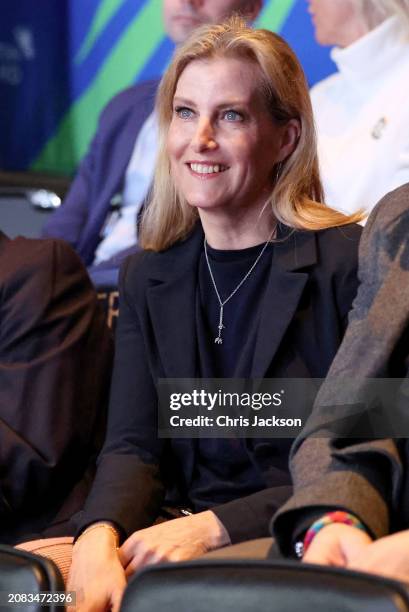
(148, 267)
(138, 99)
(338, 247)
(340, 235)
(328, 250)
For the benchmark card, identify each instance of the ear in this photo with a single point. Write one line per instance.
(290, 136)
(252, 9)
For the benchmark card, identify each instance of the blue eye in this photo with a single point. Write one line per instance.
(183, 112)
(232, 115)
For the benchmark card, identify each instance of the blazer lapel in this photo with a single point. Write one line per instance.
(283, 293)
(171, 302)
(172, 296)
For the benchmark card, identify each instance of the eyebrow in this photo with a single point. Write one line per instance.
(223, 104)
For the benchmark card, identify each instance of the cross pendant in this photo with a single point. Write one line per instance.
(219, 339)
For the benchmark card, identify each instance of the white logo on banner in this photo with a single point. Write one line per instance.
(13, 56)
(25, 40)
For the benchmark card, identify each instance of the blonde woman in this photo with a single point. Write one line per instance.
(361, 112)
(245, 273)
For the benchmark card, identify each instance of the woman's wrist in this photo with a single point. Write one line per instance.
(331, 518)
(217, 535)
(102, 530)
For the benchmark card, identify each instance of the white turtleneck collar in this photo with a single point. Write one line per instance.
(373, 53)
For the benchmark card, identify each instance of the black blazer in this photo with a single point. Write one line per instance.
(55, 366)
(312, 284)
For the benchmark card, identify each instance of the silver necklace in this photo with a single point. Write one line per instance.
(222, 303)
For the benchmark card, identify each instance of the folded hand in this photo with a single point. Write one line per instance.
(177, 540)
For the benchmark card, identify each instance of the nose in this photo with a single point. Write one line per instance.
(204, 137)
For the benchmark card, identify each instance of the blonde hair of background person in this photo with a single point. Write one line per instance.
(376, 11)
(296, 190)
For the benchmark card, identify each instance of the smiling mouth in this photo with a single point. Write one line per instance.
(207, 168)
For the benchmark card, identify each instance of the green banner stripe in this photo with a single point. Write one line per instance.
(63, 151)
(103, 15)
(274, 14)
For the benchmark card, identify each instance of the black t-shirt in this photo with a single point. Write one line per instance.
(226, 469)
(234, 357)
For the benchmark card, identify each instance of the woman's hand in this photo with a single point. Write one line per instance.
(96, 574)
(388, 556)
(176, 540)
(346, 546)
(338, 545)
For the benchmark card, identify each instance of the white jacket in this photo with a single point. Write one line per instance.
(362, 118)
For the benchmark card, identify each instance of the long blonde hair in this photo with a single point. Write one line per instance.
(296, 193)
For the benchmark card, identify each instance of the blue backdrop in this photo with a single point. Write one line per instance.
(62, 60)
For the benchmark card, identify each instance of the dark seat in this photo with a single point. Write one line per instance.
(249, 586)
(27, 200)
(22, 572)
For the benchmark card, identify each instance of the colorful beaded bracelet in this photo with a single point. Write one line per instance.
(339, 516)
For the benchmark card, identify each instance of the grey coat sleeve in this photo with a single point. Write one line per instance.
(362, 476)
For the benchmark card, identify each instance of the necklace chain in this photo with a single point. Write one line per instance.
(222, 303)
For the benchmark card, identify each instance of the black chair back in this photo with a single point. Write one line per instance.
(249, 586)
(22, 573)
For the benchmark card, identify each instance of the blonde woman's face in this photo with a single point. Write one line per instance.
(223, 143)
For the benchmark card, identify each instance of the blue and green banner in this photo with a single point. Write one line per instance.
(62, 60)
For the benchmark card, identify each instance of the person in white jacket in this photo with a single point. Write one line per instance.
(362, 111)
